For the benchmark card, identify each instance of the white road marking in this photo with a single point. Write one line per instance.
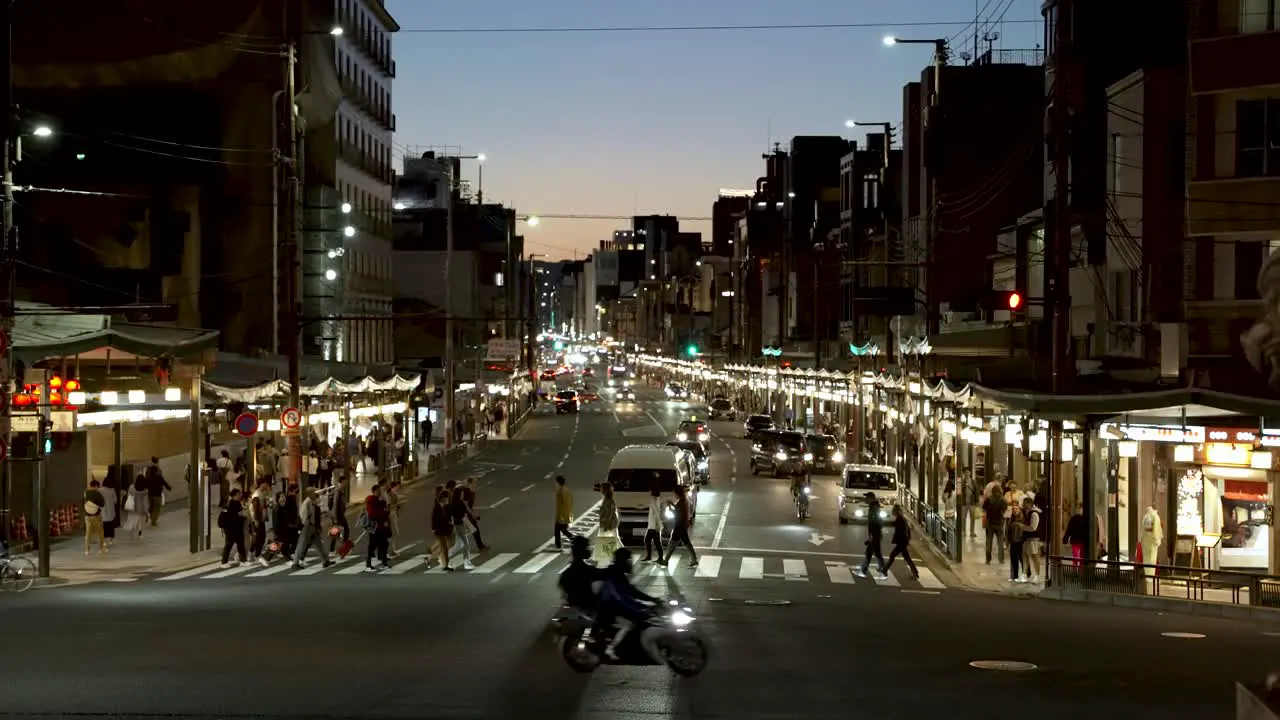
(492, 564)
(241, 568)
(355, 569)
(887, 579)
(752, 568)
(708, 566)
(537, 563)
(724, 520)
(923, 592)
(794, 569)
(405, 566)
(840, 574)
(496, 504)
(192, 572)
(528, 487)
(273, 570)
(313, 570)
(764, 551)
(655, 422)
(586, 530)
(929, 580)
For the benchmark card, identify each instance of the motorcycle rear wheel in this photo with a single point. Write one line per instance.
(687, 657)
(580, 659)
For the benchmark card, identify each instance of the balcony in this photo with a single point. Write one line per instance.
(367, 43)
(353, 156)
(1233, 205)
(381, 114)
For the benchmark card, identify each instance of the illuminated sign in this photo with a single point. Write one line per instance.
(1157, 433)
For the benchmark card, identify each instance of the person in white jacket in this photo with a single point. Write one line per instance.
(312, 516)
(653, 531)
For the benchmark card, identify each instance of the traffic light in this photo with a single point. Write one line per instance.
(1010, 301)
(692, 350)
(1014, 301)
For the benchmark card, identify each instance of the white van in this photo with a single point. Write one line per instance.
(857, 481)
(638, 468)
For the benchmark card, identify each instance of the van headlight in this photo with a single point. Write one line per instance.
(703, 437)
(780, 455)
(860, 512)
(808, 457)
(669, 514)
(682, 436)
(837, 457)
(703, 464)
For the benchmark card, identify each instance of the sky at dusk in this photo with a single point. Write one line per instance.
(625, 123)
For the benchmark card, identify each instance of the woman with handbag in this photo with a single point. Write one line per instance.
(463, 527)
(136, 504)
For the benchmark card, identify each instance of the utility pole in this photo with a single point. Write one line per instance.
(531, 293)
(8, 246)
(1058, 246)
(449, 381)
(291, 257)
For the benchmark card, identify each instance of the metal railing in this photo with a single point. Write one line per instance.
(939, 529)
(1168, 581)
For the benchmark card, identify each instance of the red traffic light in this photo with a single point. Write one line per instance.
(1015, 300)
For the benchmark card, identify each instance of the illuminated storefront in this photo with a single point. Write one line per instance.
(1224, 499)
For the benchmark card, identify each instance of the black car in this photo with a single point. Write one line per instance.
(693, 431)
(778, 453)
(702, 468)
(566, 402)
(825, 453)
(624, 394)
(722, 409)
(756, 423)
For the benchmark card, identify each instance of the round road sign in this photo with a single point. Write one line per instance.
(246, 424)
(291, 418)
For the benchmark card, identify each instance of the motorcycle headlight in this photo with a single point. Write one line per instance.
(703, 437)
(807, 490)
(682, 437)
(837, 457)
(669, 514)
(681, 618)
(780, 455)
(808, 457)
(703, 464)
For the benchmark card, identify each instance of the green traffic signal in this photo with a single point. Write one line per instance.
(692, 350)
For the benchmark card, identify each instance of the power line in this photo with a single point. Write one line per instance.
(695, 28)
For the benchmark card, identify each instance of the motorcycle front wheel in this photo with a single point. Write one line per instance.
(578, 657)
(687, 657)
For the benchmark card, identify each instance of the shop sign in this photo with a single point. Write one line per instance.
(1227, 454)
(1231, 435)
(1190, 435)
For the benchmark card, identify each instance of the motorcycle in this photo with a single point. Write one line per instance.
(666, 637)
(802, 503)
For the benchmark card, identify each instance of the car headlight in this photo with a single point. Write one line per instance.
(682, 437)
(837, 457)
(681, 618)
(860, 512)
(780, 455)
(884, 514)
(703, 464)
(808, 457)
(703, 437)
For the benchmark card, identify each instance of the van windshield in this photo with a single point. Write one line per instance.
(865, 480)
(792, 441)
(642, 480)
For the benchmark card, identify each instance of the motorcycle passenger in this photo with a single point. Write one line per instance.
(620, 599)
(577, 582)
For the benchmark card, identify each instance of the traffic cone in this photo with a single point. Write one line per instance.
(55, 526)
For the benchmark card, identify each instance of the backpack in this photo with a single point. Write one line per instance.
(223, 519)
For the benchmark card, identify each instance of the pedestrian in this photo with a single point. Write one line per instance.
(312, 516)
(1016, 531)
(993, 515)
(1033, 534)
(392, 497)
(607, 529)
(94, 502)
(231, 523)
(469, 495)
(377, 526)
(680, 527)
(287, 521)
(157, 486)
(340, 541)
(875, 536)
(111, 510)
(1076, 535)
(260, 507)
(564, 510)
(442, 528)
(463, 527)
(137, 504)
(901, 539)
(653, 529)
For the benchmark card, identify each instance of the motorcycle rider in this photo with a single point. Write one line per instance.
(799, 481)
(577, 582)
(620, 599)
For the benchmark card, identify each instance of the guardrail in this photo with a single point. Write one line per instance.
(1167, 581)
(938, 529)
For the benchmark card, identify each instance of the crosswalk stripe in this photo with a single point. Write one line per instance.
(241, 568)
(192, 572)
(313, 570)
(930, 581)
(492, 564)
(537, 563)
(708, 566)
(356, 568)
(752, 568)
(273, 570)
(794, 569)
(887, 579)
(840, 574)
(405, 566)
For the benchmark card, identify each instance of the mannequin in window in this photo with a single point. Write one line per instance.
(1151, 538)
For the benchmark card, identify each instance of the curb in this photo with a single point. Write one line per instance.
(960, 581)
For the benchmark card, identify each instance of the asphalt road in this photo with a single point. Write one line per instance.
(792, 632)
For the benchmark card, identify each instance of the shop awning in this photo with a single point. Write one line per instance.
(239, 379)
(43, 332)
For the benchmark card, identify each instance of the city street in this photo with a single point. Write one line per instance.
(792, 631)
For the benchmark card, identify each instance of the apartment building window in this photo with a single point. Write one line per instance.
(1257, 138)
(870, 191)
(1258, 16)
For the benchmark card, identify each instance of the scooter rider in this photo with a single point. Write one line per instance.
(619, 598)
(799, 481)
(577, 582)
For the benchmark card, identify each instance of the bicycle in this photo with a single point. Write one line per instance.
(17, 574)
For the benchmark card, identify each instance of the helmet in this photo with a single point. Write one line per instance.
(580, 547)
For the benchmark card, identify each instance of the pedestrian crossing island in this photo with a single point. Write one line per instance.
(712, 568)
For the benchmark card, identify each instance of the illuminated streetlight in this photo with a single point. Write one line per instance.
(336, 31)
(533, 221)
(482, 157)
(346, 208)
(42, 131)
(850, 123)
(349, 231)
(889, 41)
(399, 206)
(330, 274)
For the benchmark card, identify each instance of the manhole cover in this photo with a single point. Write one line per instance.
(1185, 636)
(1006, 665)
(766, 602)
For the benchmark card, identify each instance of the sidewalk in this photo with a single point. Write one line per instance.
(978, 575)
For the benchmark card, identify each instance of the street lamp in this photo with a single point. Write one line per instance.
(336, 31)
(42, 131)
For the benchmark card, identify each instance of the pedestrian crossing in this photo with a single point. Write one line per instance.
(713, 568)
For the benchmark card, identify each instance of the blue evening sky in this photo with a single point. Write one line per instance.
(610, 123)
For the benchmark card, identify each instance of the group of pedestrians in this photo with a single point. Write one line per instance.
(1012, 520)
(680, 513)
(108, 507)
(901, 539)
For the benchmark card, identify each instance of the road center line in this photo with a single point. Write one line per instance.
(496, 504)
(655, 422)
(528, 487)
(724, 519)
